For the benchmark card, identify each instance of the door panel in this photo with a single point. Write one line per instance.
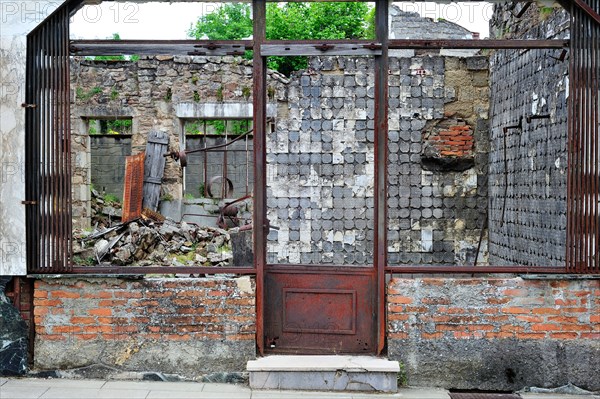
(326, 310)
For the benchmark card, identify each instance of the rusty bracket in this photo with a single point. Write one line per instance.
(517, 126)
(372, 46)
(529, 118)
(196, 52)
(562, 56)
(25, 105)
(29, 202)
(324, 47)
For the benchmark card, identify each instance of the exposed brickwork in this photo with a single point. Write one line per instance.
(453, 139)
(493, 308)
(495, 333)
(153, 309)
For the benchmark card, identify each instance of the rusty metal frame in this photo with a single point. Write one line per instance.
(49, 142)
(583, 185)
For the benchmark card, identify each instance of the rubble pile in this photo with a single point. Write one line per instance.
(105, 210)
(145, 243)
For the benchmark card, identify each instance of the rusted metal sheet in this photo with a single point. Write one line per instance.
(583, 184)
(154, 168)
(133, 187)
(323, 310)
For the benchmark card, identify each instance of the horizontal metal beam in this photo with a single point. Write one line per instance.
(161, 270)
(322, 48)
(290, 47)
(159, 47)
(425, 269)
(477, 44)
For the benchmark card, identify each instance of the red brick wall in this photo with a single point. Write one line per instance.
(495, 333)
(493, 308)
(152, 309)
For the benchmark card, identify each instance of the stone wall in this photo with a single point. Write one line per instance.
(527, 217)
(495, 333)
(157, 93)
(321, 162)
(189, 326)
(107, 165)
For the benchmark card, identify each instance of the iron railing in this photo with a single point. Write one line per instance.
(583, 181)
(48, 146)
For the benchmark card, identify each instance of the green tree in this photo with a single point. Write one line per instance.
(287, 21)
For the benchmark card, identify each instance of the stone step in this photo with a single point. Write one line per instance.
(324, 373)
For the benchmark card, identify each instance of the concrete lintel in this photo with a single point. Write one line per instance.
(219, 110)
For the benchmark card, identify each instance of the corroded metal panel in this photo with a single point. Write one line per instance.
(328, 310)
(133, 187)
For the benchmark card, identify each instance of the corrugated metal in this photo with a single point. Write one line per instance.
(133, 187)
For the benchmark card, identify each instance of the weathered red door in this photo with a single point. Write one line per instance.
(322, 309)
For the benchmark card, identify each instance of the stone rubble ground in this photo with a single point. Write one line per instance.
(145, 242)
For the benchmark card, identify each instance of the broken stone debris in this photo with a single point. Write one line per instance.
(145, 243)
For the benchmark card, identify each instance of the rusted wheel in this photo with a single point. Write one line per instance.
(219, 179)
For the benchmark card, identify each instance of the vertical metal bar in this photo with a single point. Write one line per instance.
(205, 157)
(381, 155)
(44, 148)
(29, 160)
(67, 76)
(224, 185)
(54, 66)
(594, 195)
(571, 176)
(259, 113)
(595, 86)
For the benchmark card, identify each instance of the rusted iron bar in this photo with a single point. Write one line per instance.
(589, 11)
(291, 47)
(416, 269)
(160, 47)
(583, 197)
(476, 44)
(259, 121)
(381, 157)
(136, 270)
(295, 49)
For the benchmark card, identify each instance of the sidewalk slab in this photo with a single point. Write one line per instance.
(155, 385)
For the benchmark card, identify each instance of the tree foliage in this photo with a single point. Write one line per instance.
(287, 21)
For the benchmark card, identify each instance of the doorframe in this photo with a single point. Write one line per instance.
(260, 221)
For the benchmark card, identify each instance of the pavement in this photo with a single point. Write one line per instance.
(37, 388)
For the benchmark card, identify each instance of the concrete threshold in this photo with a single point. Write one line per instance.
(335, 373)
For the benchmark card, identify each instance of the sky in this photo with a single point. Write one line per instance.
(170, 21)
